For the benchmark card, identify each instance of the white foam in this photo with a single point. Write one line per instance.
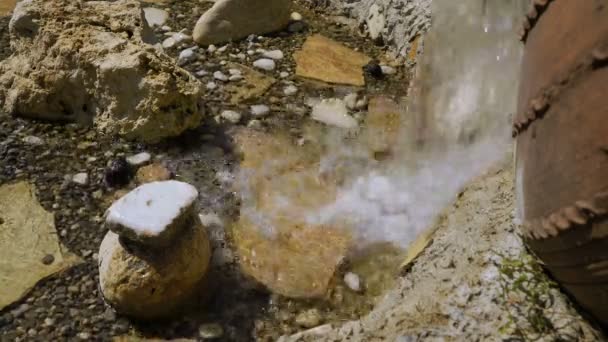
(150, 208)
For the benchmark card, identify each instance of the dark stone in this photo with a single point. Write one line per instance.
(119, 173)
(373, 69)
(48, 259)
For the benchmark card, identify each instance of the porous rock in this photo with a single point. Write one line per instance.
(91, 62)
(150, 284)
(230, 20)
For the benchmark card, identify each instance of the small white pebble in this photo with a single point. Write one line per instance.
(235, 78)
(290, 90)
(32, 140)
(264, 64)
(185, 57)
(260, 110)
(284, 74)
(274, 54)
(212, 48)
(231, 116)
(223, 48)
(241, 56)
(81, 178)
(388, 70)
(234, 71)
(250, 52)
(211, 85)
(165, 28)
(139, 159)
(218, 75)
(352, 281)
(255, 124)
(202, 73)
(295, 16)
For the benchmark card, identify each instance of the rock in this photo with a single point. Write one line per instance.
(295, 16)
(309, 318)
(382, 124)
(202, 73)
(290, 90)
(118, 82)
(297, 26)
(211, 48)
(333, 112)
(260, 110)
(388, 70)
(218, 75)
(230, 20)
(81, 178)
(139, 159)
(324, 59)
(32, 140)
(211, 85)
(169, 43)
(375, 21)
(254, 85)
(155, 17)
(231, 116)
(350, 101)
(153, 213)
(149, 284)
(235, 78)
(265, 64)
(119, 173)
(152, 173)
(6, 6)
(235, 72)
(186, 56)
(27, 237)
(373, 69)
(210, 331)
(353, 281)
(284, 74)
(274, 54)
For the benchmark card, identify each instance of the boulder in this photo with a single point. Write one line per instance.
(230, 20)
(148, 283)
(92, 62)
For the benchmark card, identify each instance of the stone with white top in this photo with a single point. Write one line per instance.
(81, 178)
(153, 213)
(260, 110)
(155, 17)
(333, 112)
(220, 76)
(231, 116)
(265, 64)
(139, 159)
(273, 54)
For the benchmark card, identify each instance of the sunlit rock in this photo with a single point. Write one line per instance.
(254, 84)
(230, 20)
(152, 173)
(333, 112)
(155, 16)
(117, 81)
(326, 60)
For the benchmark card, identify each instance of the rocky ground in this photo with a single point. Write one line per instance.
(68, 306)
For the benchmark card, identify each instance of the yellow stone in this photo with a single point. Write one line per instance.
(6, 6)
(324, 59)
(152, 173)
(253, 85)
(27, 237)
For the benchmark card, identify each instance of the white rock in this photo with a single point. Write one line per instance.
(182, 38)
(362, 103)
(169, 43)
(284, 74)
(353, 281)
(273, 54)
(333, 112)
(81, 178)
(185, 57)
(152, 213)
(222, 49)
(250, 52)
(235, 78)
(290, 90)
(375, 21)
(211, 85)
(388, 70)
(212, 48)
(165, 28)
(295, 16)
(255, 124)
(260, 110)
(139, 159)
(241, 56)
(202, 73)
(211, 219)
(234, 71)
(32, 140)
(155, 16)
(351, 101)
(218, 75)
(265, 64)
(231, 116)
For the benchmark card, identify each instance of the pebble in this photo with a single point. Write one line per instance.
(48, 322)
(84, 335)
(235, 78)
(211, 85)
(290, 90)
(165, 28)
(211, 331)
(223, 48)
(255, 124)
(388, 70)
(284, 74)
(296, 26)
(353, 281)
(295, 16)
(231, 116)
(218, 75)
(139, 159)
(32, 140)
(265, 64)
(260, 110)
(309, 318)
(241, 56)
(185, 57)
(118, 173)
(20, 310)
(169, 43)
(202, 73)
(274, 54)
(81, 178)
(212, 48)
(234, 72)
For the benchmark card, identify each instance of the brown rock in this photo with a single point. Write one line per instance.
(382, 124)
(324, 59)
(152, 173)
(253, 85)
(6, 6)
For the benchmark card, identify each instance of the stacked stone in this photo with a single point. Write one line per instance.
(156, 254)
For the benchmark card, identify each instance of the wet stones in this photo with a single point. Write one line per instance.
(156, 255)
(118, 174)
